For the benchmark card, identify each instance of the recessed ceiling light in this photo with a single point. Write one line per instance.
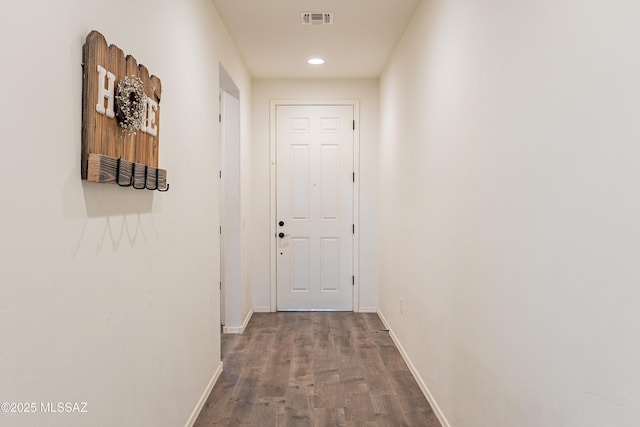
(316, 61)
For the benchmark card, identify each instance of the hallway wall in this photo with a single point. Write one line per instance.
(510, 215)
(109, 295)
(366, 90)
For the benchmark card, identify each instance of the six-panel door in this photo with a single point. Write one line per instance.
(315, 207)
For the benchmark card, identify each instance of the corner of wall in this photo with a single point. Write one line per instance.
(239, 329)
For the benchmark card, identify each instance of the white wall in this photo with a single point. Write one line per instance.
(366, 90)
(109, 295)
(510, 210)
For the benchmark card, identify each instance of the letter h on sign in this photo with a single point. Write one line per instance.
(105, 93)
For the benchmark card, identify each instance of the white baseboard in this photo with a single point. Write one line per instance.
(203, 399)
(238, 329)
(368, 310)
(416, 375)
(262, 309)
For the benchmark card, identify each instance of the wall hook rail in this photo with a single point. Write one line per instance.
(125, 173)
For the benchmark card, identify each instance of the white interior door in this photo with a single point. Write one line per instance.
(314, 207)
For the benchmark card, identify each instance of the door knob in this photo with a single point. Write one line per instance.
(281, 235)
(281, 223)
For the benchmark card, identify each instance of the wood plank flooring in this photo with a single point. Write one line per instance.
(314, 369)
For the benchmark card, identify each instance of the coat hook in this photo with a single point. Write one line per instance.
(145, 182)
(118, 176)
(157, 187)
(133, 174)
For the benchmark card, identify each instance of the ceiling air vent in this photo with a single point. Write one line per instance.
(316, 18)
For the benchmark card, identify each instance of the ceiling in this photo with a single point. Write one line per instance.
(274, 43)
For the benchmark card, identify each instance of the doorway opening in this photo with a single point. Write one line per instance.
(230, 205)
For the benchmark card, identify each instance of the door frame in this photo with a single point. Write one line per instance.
(230, 178)
(355, 103)
(230, 209)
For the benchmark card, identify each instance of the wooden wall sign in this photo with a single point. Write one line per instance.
(120, 118)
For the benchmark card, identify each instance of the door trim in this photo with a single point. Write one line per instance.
(230, 210)
(355, 103)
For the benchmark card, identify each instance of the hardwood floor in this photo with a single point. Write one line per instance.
(314, 369)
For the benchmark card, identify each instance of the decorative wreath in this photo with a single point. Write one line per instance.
(130, 104)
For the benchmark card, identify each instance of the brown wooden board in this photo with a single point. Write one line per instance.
(102, 135)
